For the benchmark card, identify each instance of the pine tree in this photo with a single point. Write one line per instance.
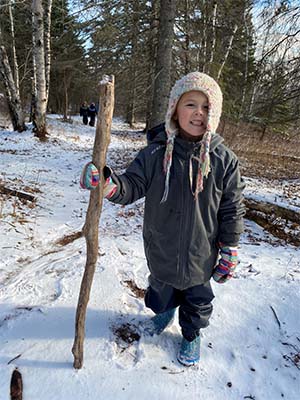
(69, 75)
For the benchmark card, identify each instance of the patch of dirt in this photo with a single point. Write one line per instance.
(125, 335)
(138, 292)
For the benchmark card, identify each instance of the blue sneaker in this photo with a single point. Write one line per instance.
(157, 324)
(189, 353)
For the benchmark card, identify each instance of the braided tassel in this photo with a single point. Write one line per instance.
(203, 163)
(167, 165)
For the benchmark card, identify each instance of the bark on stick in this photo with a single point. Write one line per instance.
(91, 226)
(16, 386)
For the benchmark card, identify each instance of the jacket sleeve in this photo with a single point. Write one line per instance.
(232, 209)
(131, 185)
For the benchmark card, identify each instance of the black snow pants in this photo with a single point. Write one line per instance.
(194, 304)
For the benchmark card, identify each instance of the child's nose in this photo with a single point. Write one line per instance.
(199, 110)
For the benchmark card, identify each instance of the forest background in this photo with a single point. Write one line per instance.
(53, 53)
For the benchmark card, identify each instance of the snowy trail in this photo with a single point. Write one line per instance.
(248, 351)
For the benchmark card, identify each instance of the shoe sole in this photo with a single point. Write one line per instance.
(188, 363)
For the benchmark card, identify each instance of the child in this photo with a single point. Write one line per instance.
(193, 209)
(92, 112)
(84, 110)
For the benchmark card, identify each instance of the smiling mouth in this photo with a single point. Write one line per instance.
(197, 123)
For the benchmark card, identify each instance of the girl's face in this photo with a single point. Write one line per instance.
(192, 113)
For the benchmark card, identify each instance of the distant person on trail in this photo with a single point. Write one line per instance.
(84, 112)
(194, 209)
(92, 114)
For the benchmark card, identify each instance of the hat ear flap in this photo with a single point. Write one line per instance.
(175, 115)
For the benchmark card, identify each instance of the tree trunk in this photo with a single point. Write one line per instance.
(39, 57)
(91, 226)
(33, 82)
(48, 45)
(229, 47)
(186, 44)
(13, 99)
(213, 44)
(152, 46)
(33, 97)
(14, 53)
(241, 112)
(203, 57)
(66, 97)
(131, 105)
(163, 62)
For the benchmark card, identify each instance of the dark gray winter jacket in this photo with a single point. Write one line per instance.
(181, 234)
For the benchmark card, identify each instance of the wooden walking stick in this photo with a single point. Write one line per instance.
(16, 385)
(91, 226)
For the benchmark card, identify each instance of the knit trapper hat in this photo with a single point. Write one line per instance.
(207, 85)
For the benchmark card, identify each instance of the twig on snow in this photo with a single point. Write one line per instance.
(13, 359)
(275, 315)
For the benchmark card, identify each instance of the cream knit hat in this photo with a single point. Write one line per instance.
(207, 85)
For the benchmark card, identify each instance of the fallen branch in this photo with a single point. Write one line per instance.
(273, 209)
(67, 239)
(279, 221)
(17, 193)
(275, 315)
(91, 226)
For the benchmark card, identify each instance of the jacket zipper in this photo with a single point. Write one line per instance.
(184, 229)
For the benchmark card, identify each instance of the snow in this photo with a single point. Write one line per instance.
(250, 350)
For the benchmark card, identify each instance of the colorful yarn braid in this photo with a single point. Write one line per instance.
(167, 165)
(203, 164)
(227, 264)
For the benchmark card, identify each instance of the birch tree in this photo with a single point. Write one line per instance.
(228, 49)
(48, 12)
(39, 61)
(213, 45)
(11, 82)
(14, 53)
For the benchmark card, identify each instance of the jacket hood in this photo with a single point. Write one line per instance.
(157, 134)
